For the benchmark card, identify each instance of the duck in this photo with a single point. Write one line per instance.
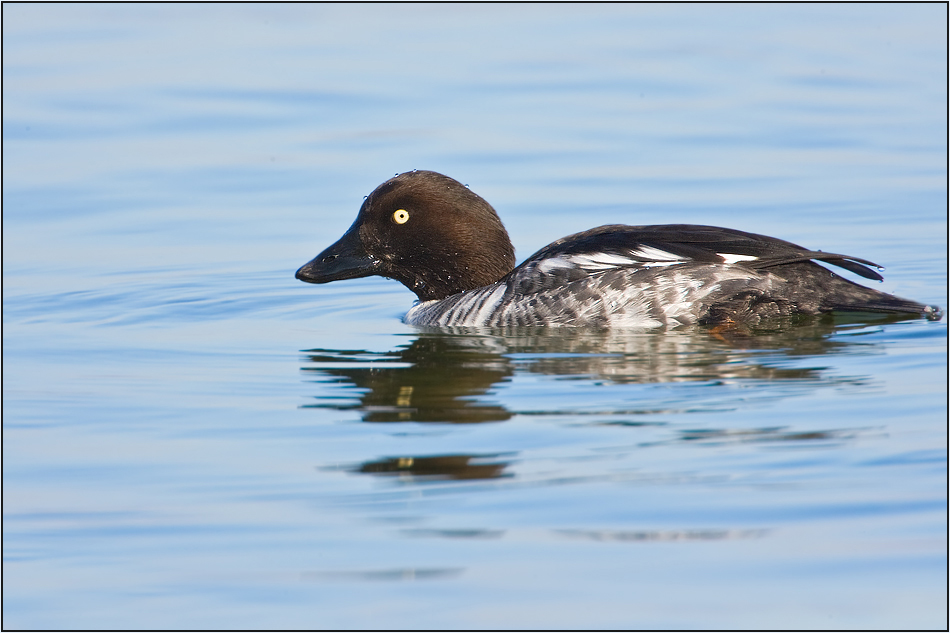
(448, 246)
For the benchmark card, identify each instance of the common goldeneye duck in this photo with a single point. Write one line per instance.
(448, 246)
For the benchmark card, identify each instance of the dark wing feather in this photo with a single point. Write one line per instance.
(696, 243)
(804, 286)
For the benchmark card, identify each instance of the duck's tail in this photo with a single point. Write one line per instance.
(839, 294)
(883, 302)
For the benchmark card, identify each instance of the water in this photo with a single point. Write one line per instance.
(194, 439)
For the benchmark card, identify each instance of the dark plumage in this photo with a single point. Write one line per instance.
(448, 245)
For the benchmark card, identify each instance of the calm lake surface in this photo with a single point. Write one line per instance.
(194, 439)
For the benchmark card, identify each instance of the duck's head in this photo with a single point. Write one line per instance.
(425, 230)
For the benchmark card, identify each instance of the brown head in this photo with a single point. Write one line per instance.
(424, 230)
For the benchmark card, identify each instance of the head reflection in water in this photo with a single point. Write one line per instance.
(441, 383)
(457, 467)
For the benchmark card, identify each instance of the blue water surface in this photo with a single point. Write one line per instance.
(194, 439)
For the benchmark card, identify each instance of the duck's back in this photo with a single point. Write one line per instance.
(625, 276)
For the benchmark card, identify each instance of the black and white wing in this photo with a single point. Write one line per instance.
(640, 247)
(648, 276)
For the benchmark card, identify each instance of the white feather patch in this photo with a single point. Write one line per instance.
(551, 263)
(656, 255)
(600, 261)
(729, 258)
(488, 306)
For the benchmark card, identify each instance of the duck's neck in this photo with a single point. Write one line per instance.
(450, 274)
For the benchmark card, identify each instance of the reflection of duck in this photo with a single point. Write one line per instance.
(438, 467)
(448, 246)
(439, 383)
(447, 376)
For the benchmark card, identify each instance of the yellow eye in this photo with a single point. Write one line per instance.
(401, 216)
